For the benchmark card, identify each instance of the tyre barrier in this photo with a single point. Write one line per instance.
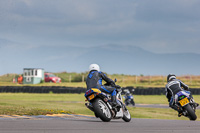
(154, 91)
(41, 89)
(144, 91)
(63, 89)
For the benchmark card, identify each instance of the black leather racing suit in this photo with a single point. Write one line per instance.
(94, 80)
(173, 87)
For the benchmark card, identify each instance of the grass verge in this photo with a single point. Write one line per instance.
(42, 104)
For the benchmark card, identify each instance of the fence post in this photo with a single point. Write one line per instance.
(163, 79)
(70, 78)
(82, 78)
(136, 79)
(149, 79)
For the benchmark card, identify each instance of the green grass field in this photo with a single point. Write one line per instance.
(42, 104)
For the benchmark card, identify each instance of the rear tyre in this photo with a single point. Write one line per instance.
(102, 110)
(191, 113)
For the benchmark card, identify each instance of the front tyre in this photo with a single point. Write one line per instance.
(126, 115)
(191, 113)
(102, 110)
(132, 102)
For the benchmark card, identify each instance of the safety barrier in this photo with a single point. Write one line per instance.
(155, 91)
(41, 89)
(63, 89)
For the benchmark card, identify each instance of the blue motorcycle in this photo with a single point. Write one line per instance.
(186, 103)
(129, 100)
(99, 103)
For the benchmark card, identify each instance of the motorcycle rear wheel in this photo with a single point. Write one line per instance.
(102, 110)
(191, 112)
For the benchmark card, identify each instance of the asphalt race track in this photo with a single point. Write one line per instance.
(88, 124)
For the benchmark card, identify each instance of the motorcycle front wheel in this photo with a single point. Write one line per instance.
(126, 115)
(133, 103)
(102, 110)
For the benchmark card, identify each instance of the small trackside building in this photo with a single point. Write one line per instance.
(33, 75)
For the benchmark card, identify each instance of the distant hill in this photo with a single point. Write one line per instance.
(134, 60)
(120, 59)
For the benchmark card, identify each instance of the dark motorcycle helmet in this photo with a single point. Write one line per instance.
(170, 77)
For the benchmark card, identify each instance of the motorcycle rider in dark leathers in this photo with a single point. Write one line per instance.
(94, 80)
(173, 87)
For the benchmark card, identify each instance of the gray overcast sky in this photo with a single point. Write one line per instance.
(159, 26)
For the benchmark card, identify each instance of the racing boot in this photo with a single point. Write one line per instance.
(114, 102)
(196, 104)
(180, 111)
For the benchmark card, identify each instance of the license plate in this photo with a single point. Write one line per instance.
(184, 101)
(91, 97)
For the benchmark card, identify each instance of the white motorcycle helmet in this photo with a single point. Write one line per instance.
(94, 67)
